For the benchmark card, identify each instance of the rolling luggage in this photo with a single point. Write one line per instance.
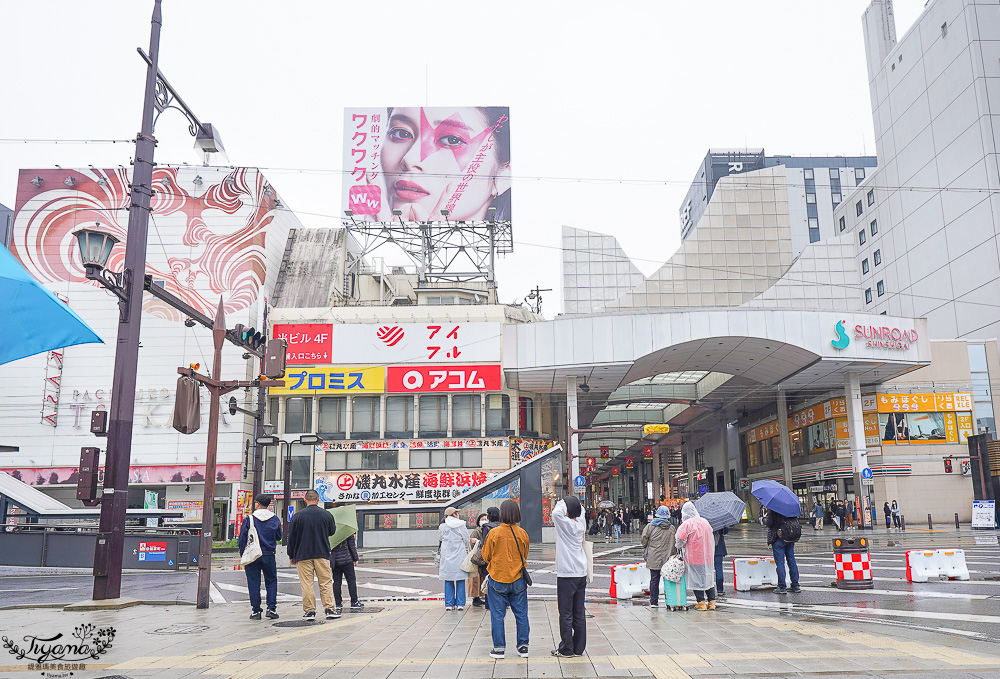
(675, 594)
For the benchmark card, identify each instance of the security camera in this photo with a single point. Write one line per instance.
(246, 356)
(585, 388)
(189, 322)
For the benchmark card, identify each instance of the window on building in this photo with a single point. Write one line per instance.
(861, 237)
(944, 29)
(399, 415)
(365, 415)
(341, 460)
(380, 459)
(836, 199)
(447, 458)
(834, 173)
(843, 223)
(871, 197)
(877, 256)
(808, 172)
(298, 415)
(433, 415)
(868, 296)
(864, 265)
(525, 414)
(497, 412)
(860, 209)
(881, 288)
(982, 396)
(813, 229)
(466, 416)
(874, 226)
(859, 175)
(302, 459)
(811, 198)
(332, 416)
(272, 412)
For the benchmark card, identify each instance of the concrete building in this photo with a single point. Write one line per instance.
(926, 221)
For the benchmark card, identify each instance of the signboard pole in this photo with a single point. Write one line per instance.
(859, 452)
(574, 423)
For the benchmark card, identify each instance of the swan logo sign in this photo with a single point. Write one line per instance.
(842, 339)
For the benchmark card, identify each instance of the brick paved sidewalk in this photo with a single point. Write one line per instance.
(423, 641)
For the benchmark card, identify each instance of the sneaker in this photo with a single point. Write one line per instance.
(449, 608)
(459, 608)
(496, 653)
(559, 654)
(332, 613)
(795, 589)
(478, 602)
(255, 615)
(357, 604)
(309, 615)
(781, 590)
(523, 651)
(339, 609)
(272, 614)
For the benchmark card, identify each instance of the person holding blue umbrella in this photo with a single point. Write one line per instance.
(783, 529)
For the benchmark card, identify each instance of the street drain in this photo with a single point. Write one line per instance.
(182, 629)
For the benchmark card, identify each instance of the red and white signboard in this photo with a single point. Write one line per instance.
(452, 378)
(395, 486)
(308, 343)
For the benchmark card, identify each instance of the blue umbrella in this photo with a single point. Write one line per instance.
(35, 320)
(777, 498)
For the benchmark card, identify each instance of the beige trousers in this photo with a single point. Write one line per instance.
(321, 567)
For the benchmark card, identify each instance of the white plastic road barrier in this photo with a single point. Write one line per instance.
(629, 579)
(749, 573)
(923, 564)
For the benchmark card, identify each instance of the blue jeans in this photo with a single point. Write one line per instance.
(502, 595)
(265, 564)
(785, 550)
(454, 592)
(720, 577)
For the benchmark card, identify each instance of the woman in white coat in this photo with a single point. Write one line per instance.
(695, 539)
(454, 539)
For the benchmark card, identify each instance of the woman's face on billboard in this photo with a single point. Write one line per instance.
(425, 158)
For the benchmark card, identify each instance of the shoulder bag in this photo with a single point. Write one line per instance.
(588, 550)
(252, 552)
(524, 567)
(468, 565)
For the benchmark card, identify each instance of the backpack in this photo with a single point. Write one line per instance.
(790, 530)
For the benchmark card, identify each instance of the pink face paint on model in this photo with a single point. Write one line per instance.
(432, 138)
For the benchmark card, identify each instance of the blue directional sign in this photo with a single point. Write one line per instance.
(866, 473)
(579, 481)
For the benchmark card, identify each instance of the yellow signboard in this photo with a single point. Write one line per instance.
(656, 429)
(331, 380)
(923, 403)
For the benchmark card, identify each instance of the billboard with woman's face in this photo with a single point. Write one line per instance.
(420, 161)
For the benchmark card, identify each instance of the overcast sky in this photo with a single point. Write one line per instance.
(613, 105)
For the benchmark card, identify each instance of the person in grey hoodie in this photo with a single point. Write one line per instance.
(268, 533)
(571, 576)
(658, 541)
(454, 538)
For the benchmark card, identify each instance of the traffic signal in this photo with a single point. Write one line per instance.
(187, 406)
(86, 481)
(947, 466)
(591, 462)
(274, 358)
(249, 337)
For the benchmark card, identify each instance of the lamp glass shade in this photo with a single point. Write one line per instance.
(95, 246)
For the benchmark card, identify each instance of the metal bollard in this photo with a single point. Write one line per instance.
(956, 521)
(930, 524)
(902, 522)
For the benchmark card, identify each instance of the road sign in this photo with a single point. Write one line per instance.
(744, 483)
(867, 482)
(579, 481)
(866, 473)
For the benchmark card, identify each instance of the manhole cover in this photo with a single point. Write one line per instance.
(181, 629)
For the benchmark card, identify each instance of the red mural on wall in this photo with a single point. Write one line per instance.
(219, 253)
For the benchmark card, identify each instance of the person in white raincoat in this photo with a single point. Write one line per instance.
(454, 537)
(697, 544)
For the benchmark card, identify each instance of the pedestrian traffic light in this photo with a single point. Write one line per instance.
(86, 480)
(947, 466)
(249, 337)
(591, 462)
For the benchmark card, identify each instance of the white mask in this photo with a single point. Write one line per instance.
(484, 522)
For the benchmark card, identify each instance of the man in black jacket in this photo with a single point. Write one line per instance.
(782, 550)
(309, 551)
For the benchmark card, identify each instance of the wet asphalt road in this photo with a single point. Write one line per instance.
(969, 609)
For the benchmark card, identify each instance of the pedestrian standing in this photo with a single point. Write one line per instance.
(895, 515)
(454, 539)
(888, 515)
(616, 527)
(505, 551)
(782, 534)
(694, 539)
(571, 577)
(475, 579)
(850, 514)
(309, 551)
(720, 556)
(492, 521)
(817, 516)
(343, 560)
(658, 542)
(268, 528)
(841, 512)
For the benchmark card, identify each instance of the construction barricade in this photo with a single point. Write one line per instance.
(629, 579)
(923, 564)
(753, 572)
(853, 563)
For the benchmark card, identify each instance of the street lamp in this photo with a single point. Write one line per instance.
(305, 440)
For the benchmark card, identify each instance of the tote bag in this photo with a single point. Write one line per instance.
(673, 570)
(588, 550)
(253, 550)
